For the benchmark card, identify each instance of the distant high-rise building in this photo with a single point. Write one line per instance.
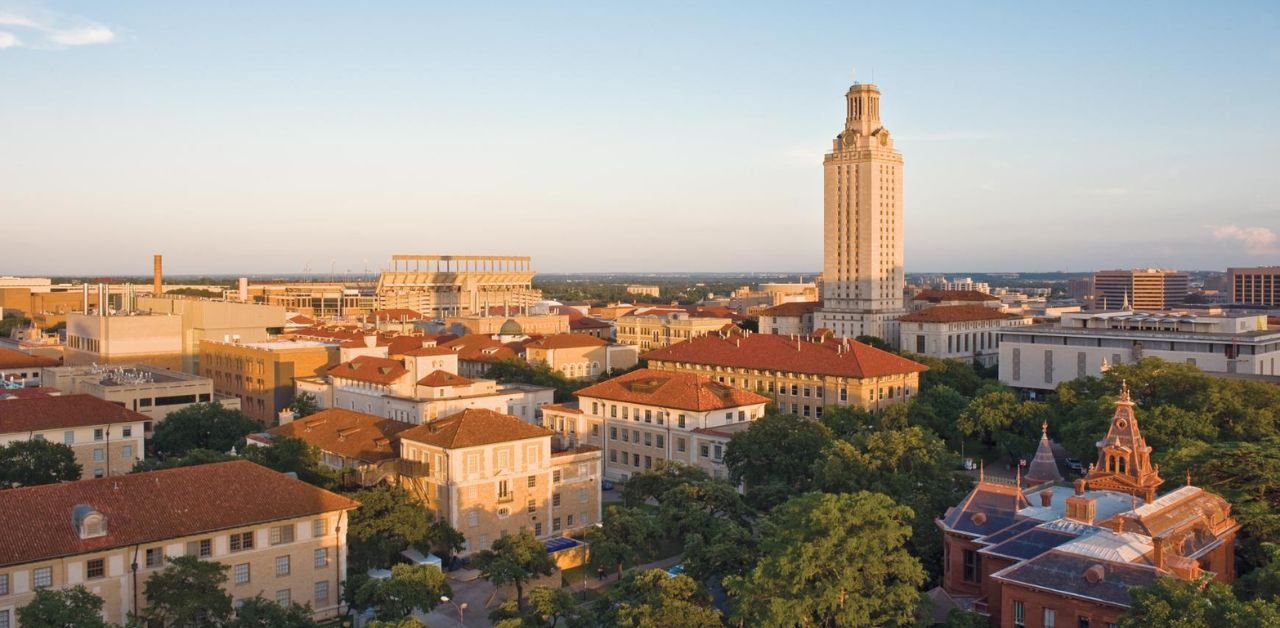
(862, 269)
(1256, 286)
(1147, 289)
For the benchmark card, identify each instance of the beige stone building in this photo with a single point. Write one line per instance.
(363, 446)
(654, 328)
(150, 391)
(579, 356)
(789, 319)
(862, 270)
(644, 290)
(800, 375)
(207, 319)
(100, 339)
(452, 285)
(490, 474)
(964, 332)
(281, 539)
(23, 369)
(502, 324)
(261, 374)
(106, 438)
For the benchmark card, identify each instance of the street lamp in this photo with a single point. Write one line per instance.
(461, 607)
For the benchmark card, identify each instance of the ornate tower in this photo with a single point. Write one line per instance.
(1124, 459)
(862, 262)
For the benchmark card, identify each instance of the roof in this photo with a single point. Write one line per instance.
(437, 379)
(10, 359)
(28, 393)
(784, 353)
(1063, 572)
(796, 308)
(428, 351)
(568, 408)
(566, 341)
(396, 314)
(61, 412)
(471, 428)
(478, 348)
(510, 328)
(587, 322)
(938, 296)
(369, 369)
(671, 389)
(347, 433)
(153, 507)
(989, 507)
(956, 314)
(302, 319)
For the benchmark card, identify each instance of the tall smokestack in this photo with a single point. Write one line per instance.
(84, 302)
(244, 289)
(157, 276)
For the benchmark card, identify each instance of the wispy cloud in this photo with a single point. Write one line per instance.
(1254, 240)
(49, 30)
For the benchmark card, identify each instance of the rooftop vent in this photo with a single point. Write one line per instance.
(1095, 574)
(89, 523)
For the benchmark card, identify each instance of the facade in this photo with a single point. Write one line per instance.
(789, 319)
(322, 300)
(964, 332)
(282, 539)
(207, 319)
(579, 356)
(862, 251)
(149, 391)
(650, 415)
(106, 438)
(102, 339)
(454, 285)
(1040, 357)
(1057, 554)
(800, 375)
(644, 290)
(1144, 289)
(654, 328)
(22, 369)
(490, 474)
(361, 445)
(493, 324)
(261, 374)
(933, 298)
(1255, 286)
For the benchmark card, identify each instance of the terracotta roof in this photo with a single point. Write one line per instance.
(427, 351)
(471, 428)
(477, 348)
(938, 296)
(10, 359)
(143, 508)
(28, 393)
(444, 378)
(567, 341)
(561, 407)
(401, 345)
(302, 319)
(798, 308)
(396, 314)
(50, 413)
(956, 314)
(784, 353)
(347, 433)
(587, 322)
(669, 389)
(369, 369)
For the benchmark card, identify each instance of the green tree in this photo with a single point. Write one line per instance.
(293, 455)
(965, 619)
(443, 540)
(304, 404)
(202, 426)
(551, 605)
(36, 461)
(75, 607)
(797, 582)
(407, 622)
(190, 459)
(938, 408)
(623, 537)
(654, 599)
(664, 476)
(258, 612)
(387, 522)
(539, 374)
(778, 449)
(1174, 603)
(514, 559)
(409, 587)
(1264, 581)
(188, 593)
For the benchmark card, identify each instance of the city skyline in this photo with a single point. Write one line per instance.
(694, 135)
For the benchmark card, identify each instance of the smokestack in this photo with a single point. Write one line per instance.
(102, 300)
(244, 290)
(157, 276)
(84, 299)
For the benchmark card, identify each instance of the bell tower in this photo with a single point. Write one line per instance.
(1124, 458)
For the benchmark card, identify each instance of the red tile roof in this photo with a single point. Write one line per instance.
(956, 314)
(369, 369)
(61, 412)
(401, 345)
(28, 393)
(302, 319)
(477, 348)
(429, 351)
(10, 359)
(938, 296)
(349, 434)
(587, 322)
(444, 378)
(559, 407)
(798, 308)
(784, 353)
(155, 507)
(471, 428)
(669, 389)
(396, 314)
(566, 341)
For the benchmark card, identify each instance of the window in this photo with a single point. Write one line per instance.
(1082, 622)
(202, 548)
(320, 558)
(42, 577)
(504, 490)
(1019, 614)
(126, 451)
(613, 455)
(533, 481)
(555, 499)
(555, 476)
(473, 518)
(283, 597)
(99, 454)
(127, 431)
(648, 416)
(1050, 618)
(537, 528)
(569, 520)
(69, 437)
(532, 505)
(242, 541)
(241, 573)
(659, 442)
(282, 566)
(635, 460)
(95, 569)
(281, 535)
(4, 584)
(680, 421)
(648, 439)
(971, 568)
(613, 433)
(648, 462)
(680, 445)
(582, 496)
(555, 524)
(321, 593)
(4, 618)
(98, 433)
(317, 528)
(155, 557)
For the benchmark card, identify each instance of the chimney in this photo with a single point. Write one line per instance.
(84, 299)
(1157, 554)
(1046, 497)
(371, 340)
(157, 276)
(1079, 486)
(286, 416)
(244, 289)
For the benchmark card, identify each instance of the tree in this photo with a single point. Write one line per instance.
(539, 374)
(387, 522)
(443, 540)
(190, 459)
(654, 483)
(778, 449)
(514, 559)
(202, 426)
(304, 404)
(36, 461)
(832, 560)
(550, 604)
(75, 607)
(409, 587)
(1174, 603)
(655, 599)
(257, 612)
(623, 537)
(188, 593)
(293, 455)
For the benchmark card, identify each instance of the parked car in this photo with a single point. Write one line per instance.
(675, 570)
(606, 485)
(1075, 466)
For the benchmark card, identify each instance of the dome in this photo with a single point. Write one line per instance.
(510, 328)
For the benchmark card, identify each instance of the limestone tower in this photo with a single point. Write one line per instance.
(862, 262)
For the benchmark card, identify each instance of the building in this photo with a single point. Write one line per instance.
(207, 319)
(789, 319)
(1058, 554)
(1039, 357)
(579, 356)
(966, 332)
(261, 374)
(651, 415)
(456, 285)
(106, 438)
(22, 369)
(477, 354)
(495, 324)
(657, 327)
(932, 298)
(644, 290)
(800, 375)
(1255, 286)
(862, 243)
(1144, 289)
(100, 338)
(580, 323)
(282, 539)
(490, 474)
(149, 391)
(321, 300)
(362, 446)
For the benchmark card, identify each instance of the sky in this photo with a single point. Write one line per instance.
(253, 137)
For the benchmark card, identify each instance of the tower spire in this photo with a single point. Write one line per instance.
(1124, 458)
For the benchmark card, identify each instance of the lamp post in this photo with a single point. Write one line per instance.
(461, 607)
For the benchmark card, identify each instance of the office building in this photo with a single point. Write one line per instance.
(963, 332)
(1147, 289)
(149, 391)
(789, 319)
(261, 374)
(657, 327)
(579, 356)
(1258, 286)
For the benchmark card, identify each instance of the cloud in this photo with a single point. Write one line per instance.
(52, 31)
(82, 36)
(8, 40)
(1254, 240)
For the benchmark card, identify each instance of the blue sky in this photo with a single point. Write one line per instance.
(266, 137)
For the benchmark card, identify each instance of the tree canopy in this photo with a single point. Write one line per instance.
(774, 457)
(36, 461)
(188, 593)
(74, 607)
(202, 426)
(259, 612)
(514, 559)
(655, 599)
(409, 587)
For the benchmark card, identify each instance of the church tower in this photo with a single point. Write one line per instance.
(862, 257)
(1124, 458)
